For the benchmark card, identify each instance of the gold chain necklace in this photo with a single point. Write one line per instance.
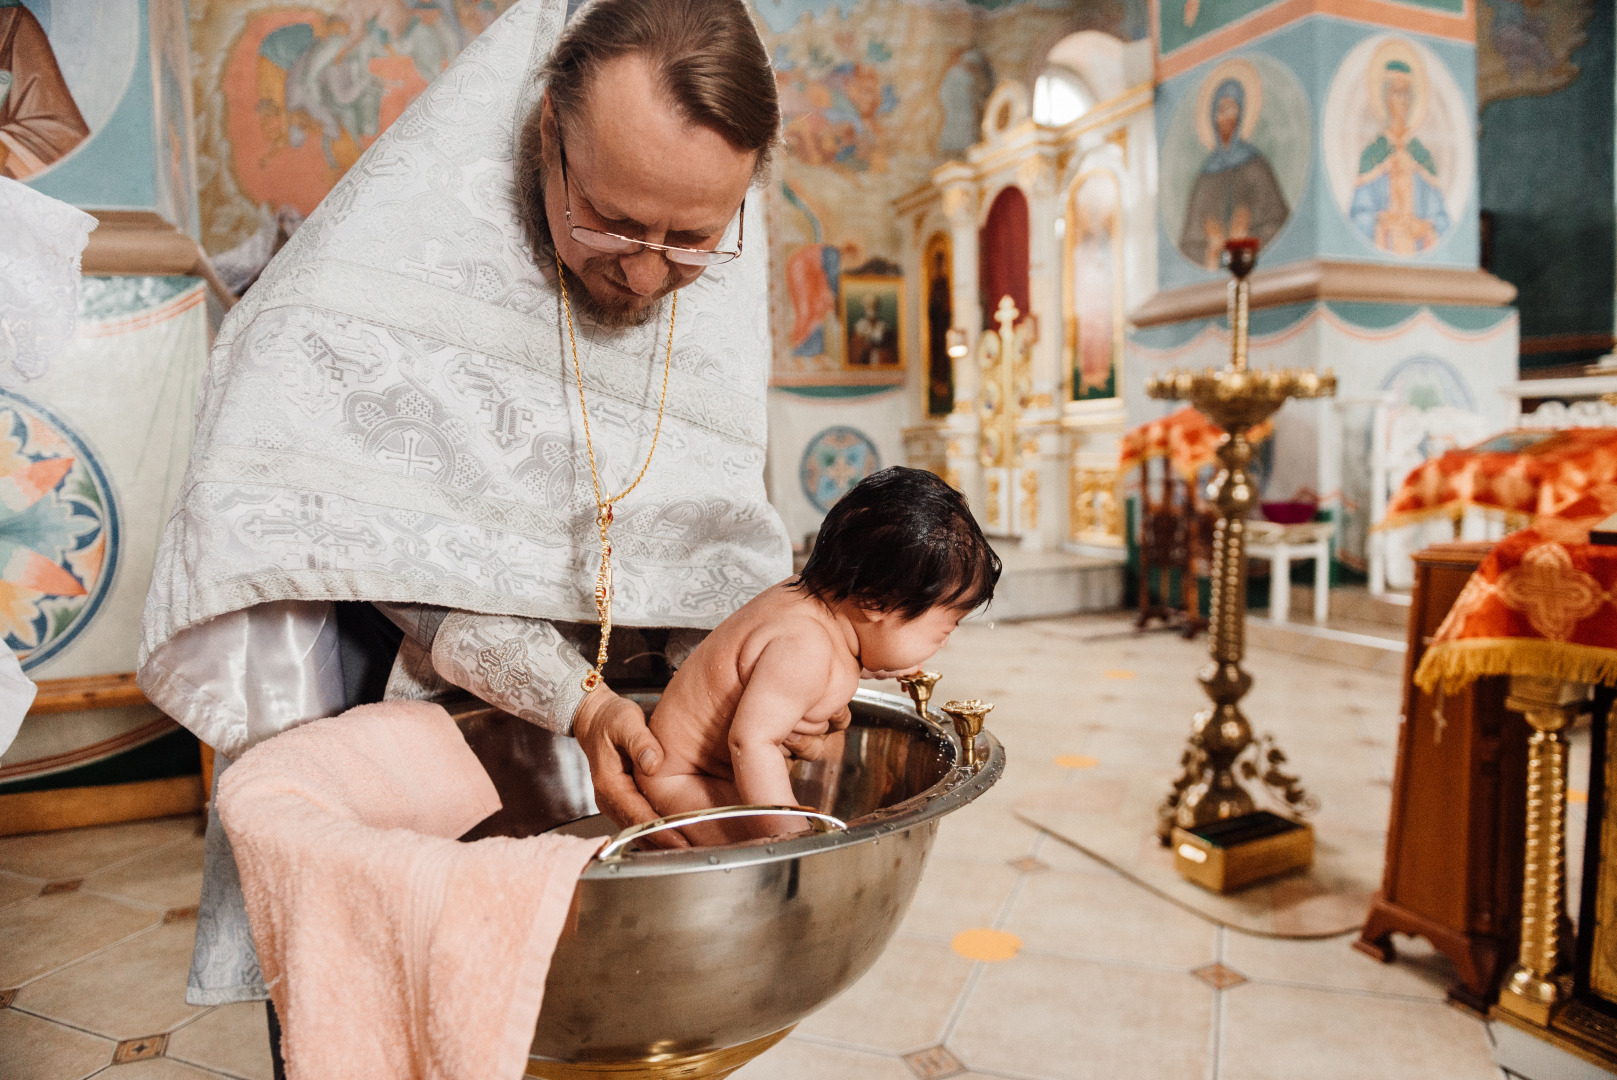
(603, 506)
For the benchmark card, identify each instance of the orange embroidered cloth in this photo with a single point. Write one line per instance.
(1531, 473)
(1544, 602)
(1186, 438)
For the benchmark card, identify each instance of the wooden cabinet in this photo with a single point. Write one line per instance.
(1455, 836)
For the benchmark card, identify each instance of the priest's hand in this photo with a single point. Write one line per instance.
(612, 732)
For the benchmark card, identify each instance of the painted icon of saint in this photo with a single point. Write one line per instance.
(39, 121)
(1093, 323)
(1397, 201)
(873, 342)
(1236, 193)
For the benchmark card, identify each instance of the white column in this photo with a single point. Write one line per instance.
(960, 201)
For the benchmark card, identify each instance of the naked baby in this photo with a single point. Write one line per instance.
(899, 561)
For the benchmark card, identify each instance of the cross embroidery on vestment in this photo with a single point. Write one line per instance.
(504, 667)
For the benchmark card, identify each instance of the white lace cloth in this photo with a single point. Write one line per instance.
(39, 279)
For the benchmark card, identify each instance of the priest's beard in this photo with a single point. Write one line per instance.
(616, 312)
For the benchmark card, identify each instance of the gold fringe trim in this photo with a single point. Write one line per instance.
(1454, 664)
(1514, 519)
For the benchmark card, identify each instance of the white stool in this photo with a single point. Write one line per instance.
(1282, 543)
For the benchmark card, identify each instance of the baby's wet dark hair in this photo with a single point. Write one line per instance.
(901, 540)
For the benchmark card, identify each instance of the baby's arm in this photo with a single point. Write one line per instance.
(787, 680)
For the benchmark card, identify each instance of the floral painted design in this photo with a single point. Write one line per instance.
(835, 460)
(58, 532)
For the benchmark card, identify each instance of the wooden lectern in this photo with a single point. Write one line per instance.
(1453, 871)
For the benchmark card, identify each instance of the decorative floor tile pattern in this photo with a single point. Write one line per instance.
(1027, 864)
(147, 1046)
(1219, 977)
(986, 944)
(1097, 987)
(934, 1063)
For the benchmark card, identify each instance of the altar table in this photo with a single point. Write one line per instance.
(1523, 474)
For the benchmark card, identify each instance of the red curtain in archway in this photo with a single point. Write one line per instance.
(1003, 254)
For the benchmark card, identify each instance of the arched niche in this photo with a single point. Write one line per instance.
(1002, 251)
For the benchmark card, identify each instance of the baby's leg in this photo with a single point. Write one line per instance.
(679, 793)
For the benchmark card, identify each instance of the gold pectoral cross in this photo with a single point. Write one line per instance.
(603, 595)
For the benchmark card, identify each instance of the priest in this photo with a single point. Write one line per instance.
(503, 391)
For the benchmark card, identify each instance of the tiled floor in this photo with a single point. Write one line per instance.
(1102, 978)
(95, 941)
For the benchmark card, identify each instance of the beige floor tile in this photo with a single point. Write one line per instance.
(1078, 1020)
(795, 1059)
(35, 1049)
(1420, 970)
(985, 831)
(232, 1038)
(75, 853)
(901, 1004)
(956, 895)
(14, 887)
(160, 1068)
(1107, 917)
(48, 931)
(134, 988)
(1282, 1033)
(1060, 855)
(170, 877)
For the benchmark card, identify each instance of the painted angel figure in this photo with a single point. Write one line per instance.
(1397, 202)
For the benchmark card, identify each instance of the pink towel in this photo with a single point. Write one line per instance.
(391, 949)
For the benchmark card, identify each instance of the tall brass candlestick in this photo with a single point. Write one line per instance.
(1208, 789)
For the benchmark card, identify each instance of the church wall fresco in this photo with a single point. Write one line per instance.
(1545, 73)
(875, 94)
(1235, 144)
(1399, 152)
(290, 94)
(95, 450)
(92, 104)
(1190, 32)
(1389, 176)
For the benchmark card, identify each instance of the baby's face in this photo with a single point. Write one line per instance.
(897, 646)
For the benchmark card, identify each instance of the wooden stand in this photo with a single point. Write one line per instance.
(1453, 871)
(1175, 534)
